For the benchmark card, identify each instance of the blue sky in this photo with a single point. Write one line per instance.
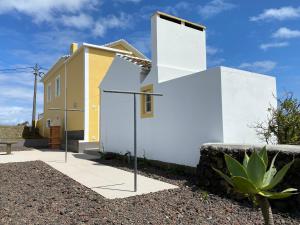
(259, 36)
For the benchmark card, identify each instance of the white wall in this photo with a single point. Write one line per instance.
(216, 105)
(246, 97)
(177, 50)
(186, 116)
(116, 113)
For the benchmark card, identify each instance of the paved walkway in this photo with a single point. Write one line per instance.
(108, 181)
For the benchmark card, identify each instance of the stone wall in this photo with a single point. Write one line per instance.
(212, 155)
(11, 132)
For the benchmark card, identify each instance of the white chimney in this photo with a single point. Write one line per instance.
(178, 47)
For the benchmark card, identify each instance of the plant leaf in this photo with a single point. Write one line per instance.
(273, 160)
(290, 190)
(228, 179)
(270, 173)
(256, 169)
(276, 195)
(244, 185)
(234, 167)
(246, 160)
(268, 176)
(264, 155)
(279, 176)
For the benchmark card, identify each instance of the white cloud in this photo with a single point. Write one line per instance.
(213, 62)
(19, 94)
(214, 8)
(45, 10)
(286, 33)
(12, 115)
(283, 13)
(110, 22)
(266, 46)
(16, 95)
(259, 66)
(141, 41)
(45, 59)
(210, 50)
(15, 77)
(79, 21)
(177, 8)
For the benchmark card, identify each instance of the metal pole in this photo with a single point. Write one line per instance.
(35, 73)
(134, 125)
(135, 156)
(66, 117)
(66, 133)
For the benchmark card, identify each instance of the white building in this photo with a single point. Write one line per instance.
(198, 105)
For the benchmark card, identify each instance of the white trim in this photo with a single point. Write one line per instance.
(128, 45)
(59, 90)
(86, 94)
(60, 60)
(106, 48)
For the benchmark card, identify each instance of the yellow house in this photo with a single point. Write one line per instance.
(72, 83)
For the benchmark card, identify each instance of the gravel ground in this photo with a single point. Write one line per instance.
(35, 193)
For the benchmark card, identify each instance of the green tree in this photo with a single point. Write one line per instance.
(283, 123)
(254, 179)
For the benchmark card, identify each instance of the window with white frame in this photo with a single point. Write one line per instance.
(57, 86)
(48, 123)
(49, 92)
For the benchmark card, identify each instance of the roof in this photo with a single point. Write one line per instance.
(59, 62)
(145, 64)
(107, 48)
(68, 57)
(127, 45)
(182, 21)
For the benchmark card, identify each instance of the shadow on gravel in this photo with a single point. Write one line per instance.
(180, 179)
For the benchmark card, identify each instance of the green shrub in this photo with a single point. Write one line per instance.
(255, 179)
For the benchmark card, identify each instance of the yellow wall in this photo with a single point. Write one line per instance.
(56, 102)
(75, 82)
(99, 63)
(75, 91)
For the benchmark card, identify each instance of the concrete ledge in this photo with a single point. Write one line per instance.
(234, 147)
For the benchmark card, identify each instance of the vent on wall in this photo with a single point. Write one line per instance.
(193, 26)
(170, 19)
(178, 21)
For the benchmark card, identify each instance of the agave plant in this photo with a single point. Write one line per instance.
(254, 179)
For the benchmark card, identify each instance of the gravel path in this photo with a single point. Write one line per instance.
(35, 193)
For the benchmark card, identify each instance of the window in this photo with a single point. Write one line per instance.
(48, 124)
(49, 92)
(147, 102)
(57, 86)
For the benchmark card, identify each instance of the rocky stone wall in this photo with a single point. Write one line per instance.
(212, 155)
(11, 132)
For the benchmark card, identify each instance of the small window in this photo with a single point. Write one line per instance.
(48, 124)
(57, 86)
(49, 92)
(147, 102)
